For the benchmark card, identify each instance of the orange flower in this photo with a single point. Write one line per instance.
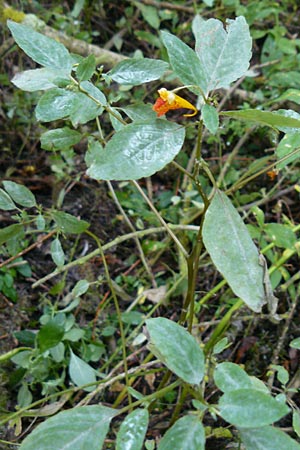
(168, 100)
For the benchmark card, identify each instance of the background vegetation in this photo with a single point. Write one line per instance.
(71, 317)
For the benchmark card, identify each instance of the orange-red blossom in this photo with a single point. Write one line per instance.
(169, 100)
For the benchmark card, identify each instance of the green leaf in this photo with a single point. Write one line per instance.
(138, 71)
(39, 79)
(176, 348)
(249, 408)
(229, 377)
(264, 118)
(296, 422)
(6, 202)
(140, 112)
(291, 95)
(93, 154)
(81, 373)
(210, 118)
(82, 428)
(233, 252)
(60, 138)
(150, 14)
(80, 288)
(267, 438)
(12, 231)
(43, 50)
(57, 253)
(94, 92)
(50, 335)
(68, 223)
(185, 62)
(133, 430)
(20, 194)
(288, 144)
(282, 235)
(138, 150)
(186, 434)
(295, 343)
(224, 54)
(86, 68)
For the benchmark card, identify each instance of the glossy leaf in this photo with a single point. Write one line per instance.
(233, 252)
(224, 53)
(82, 428)
(81, 373)
(229, 377)
(39, 79)
(6, 202)
(264, 118)
(186, 434)
(133, 430)
(210, 118)
(60, 138)
(42, 49)
(68, 223)
(50, 335)
(267, 438)
(249, 408)
(185, 62)
(20, 194)
(176, 348)
(138, 71)
(138, 150)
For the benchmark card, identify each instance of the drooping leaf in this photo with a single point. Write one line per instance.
(133, 430)
(185, 62)
(186, 434)
(229, 377)
(6, 202)
(210, 118)
(81, 373)
(39, 79)
(264, 118)
(176, 348)
(68, 223)
(233, 252)
(20, 194)
(138, 71)
(224, 53)
(42, 49)
(249, 408)
(60, 138)
(138, 150)
(267, 438)
(84, 427)
(57, 253)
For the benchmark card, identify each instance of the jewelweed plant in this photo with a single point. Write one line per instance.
(141, 142)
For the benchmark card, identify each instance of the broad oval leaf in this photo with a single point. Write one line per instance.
(186, 434)
(86, 68)
(138, 71)
(57, 253)
(176, 348)
(210, 118)
(233, 252)
(39, 79)
(224, 54)
(138, 150)
(250, 408)
(267, 438)
(229, 377)
(133, 430)
(20, 194)
(50, 335)
(60, 138)
(82, 428)
(81, 373)
(14, 231)
(68, 223)
(80, 288)
(6, 202)
(185, 62)
(40, 48)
